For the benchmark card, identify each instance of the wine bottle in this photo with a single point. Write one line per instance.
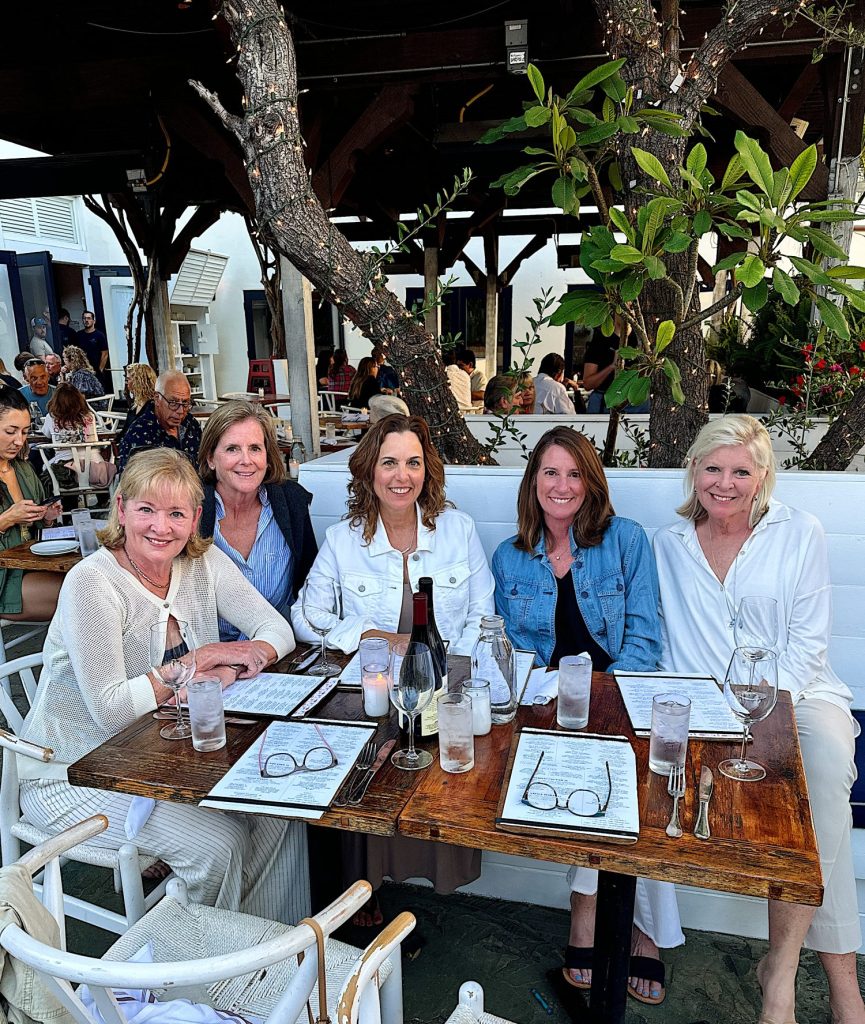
(436, 644)
(426, 724)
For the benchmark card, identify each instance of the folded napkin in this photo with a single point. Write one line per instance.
(140, 809)
(541, 688)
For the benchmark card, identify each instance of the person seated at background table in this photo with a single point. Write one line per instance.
(164, 422)
(364, 384)
(37, 391)
(78, 372)
(386, 405)
(254, 514)
(525, 395)
(29, 596)
(140, 388)
(577, 577)
(154, 567)
(323, 367)
(735, 540)
(6, 378)
(341, 372)
(459, 382)
(551, 398)
(387, 375)
(467, 362)
(398, 528)
(71, 420)
(54, 366)
(499, 397)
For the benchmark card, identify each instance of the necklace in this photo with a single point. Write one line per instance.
(143, 575)
(729, 599)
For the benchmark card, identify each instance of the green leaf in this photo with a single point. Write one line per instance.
(627, 254)
(756, 298)
(614, 173)
(626, 352)
(630, 287)
(660, 124)
(537, 116)
(678, 242)
(734, 172)
(671, 370)
(734, 230)
(608, 266)
(780, 188)
(749, 200)
(619, 219)
(756, 162)
(825, 244)
(597, 75)
(751, 272)
(785, 286)
(563, 193)
(513, 124)
(728, 262)
(536, 151)
(617, 392)
(801, 171)
(814, 273)
(656, 267)
(847, 272)
(702, 222)
(651, 165)
(536, 80)
(629, 125)
(696, 161)
(590, 309)
(598, 133)
(832, 317)
(583, 116)
(664, 334)
(608, 109)
(677, 393)
(513, 181)
(638, 390)
(567, 138)
(615, 88)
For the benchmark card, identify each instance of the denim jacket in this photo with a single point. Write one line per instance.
(616, 584)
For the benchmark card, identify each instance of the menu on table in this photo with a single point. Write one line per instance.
(573, 768)
(711, 717)
(269, 693)
(305, 794)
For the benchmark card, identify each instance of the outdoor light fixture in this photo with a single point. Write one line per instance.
(517, 46)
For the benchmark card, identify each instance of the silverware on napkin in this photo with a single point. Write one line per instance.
(361, 787)
(707, 783)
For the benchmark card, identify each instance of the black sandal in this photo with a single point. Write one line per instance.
(650, 968)
(578, 958)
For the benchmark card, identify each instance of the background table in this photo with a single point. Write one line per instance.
(21, 557)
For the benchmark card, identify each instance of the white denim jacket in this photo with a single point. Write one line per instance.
(370, 579)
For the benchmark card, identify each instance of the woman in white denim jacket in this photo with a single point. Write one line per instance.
(399, 528)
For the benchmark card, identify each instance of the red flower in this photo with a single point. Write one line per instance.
(782, 400)
(854, 370)
(862, 345)
(800, 380)
(836, 367)
(807, 349)
(820, 364)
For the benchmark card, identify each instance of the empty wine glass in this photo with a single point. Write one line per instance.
(173, 663)
(411, 683)
(751, 690)
(756, 626)
(321, 606)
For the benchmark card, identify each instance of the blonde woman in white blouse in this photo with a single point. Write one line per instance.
(155, 568)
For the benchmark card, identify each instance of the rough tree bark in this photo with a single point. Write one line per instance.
(843, 440)
(271, 282)
(651, 46)
(292, 221)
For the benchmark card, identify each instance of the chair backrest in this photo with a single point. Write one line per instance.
(328, 400)
(354, 1004)
(10, 810)
(60, 970)
(103, 404)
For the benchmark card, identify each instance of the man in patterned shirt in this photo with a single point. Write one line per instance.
(163, 422)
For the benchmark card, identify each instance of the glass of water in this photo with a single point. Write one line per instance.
(206, 714)
(575, 691)
(456, 735)
(668, 740)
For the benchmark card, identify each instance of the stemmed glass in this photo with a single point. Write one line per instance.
(321, 607)
(174, 673)
(751, 690)
(756, 625)
(411, 683)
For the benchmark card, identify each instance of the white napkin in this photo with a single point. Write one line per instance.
(140, 809)
(541, 688)
(140, 1006)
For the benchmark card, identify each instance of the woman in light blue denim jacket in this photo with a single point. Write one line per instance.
(577, 578)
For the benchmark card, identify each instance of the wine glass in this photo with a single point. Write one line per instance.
(166, 639)
(411, 684)
(756, 626)
(751, 690)
(321, 606)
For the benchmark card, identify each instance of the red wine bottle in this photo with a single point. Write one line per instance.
(436, 644)
(426, 724)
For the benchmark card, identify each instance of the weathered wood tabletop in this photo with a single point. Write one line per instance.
(21, 557)
(762, 843)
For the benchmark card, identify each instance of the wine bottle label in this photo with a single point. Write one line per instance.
(429, 717)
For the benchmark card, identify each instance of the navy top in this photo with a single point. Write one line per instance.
(147, 432)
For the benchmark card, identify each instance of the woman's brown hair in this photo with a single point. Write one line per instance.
(364, 371)
(593, 516)
(68, 407)
(362, 500)
(76, 358)
(238, 412)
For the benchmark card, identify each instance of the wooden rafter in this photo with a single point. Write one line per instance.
(529, 249)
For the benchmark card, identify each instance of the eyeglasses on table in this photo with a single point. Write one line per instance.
(581, 802)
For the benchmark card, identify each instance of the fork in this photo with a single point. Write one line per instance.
(676, 789)
(361, 767)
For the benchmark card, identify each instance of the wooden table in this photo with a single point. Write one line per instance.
(762, 844)
(21, 557)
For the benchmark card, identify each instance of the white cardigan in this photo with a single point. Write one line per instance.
(97, 651)
(784, 558)
(370, 578)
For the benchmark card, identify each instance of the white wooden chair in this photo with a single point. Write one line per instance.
(83, 454)
(328, 400)
(127, 863)
(104, 403)
(108, 420)
(470, 1008)
(229, 960)
(7, 645)
(357, 1003)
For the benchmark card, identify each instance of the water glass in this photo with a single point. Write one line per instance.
(456, 736)
(668, 740)
(87, 541)
(206, 714)
(479, 691)
(575, 691)
(373, 650)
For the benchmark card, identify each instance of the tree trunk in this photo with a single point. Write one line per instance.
(843, 440)
(292, 221)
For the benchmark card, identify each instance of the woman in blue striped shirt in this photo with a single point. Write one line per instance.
(256, 516)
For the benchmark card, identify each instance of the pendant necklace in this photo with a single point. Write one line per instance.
(731, 603)
(143, 575)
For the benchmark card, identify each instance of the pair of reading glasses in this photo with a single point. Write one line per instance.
(281, 764)
(584, 803)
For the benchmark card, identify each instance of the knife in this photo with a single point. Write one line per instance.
(707, 782)
(307, 661)
(361, 787)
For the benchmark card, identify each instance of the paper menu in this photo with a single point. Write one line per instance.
(305, 795)
(269, 693)
(710, 714)
(573, 761)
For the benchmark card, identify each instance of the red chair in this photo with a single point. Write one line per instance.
(261, 376)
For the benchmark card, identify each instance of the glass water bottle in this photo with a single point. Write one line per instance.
(493, 660)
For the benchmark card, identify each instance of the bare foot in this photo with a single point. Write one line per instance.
(582, 931)
(369, 915)
(158, 870)
(642, 945)
(778, 985)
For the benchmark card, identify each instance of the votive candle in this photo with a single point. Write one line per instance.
(376, 701)
(479, 691)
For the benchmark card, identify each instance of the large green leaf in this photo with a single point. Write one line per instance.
(751, 272)
(513, 181)
(728, 262)
(656, 267)
(597, 133)
(567, 138)
(832, 317)
(664, 335)
(702, 222)
(630, 287)
(785, 286)
(629, 125)
(614, 173)
(564, 194)
(733, 230)
(780, 188)
(617, 392)
(814, 273)
(847, 272)
(825, 244)
(588, 309)
(655, 120)
(627, 352)
(801, 170)
(735, 171)
(627, 254)
(513, 124)
(536, 80)
(756, 298)
(618, 218)
(756, 162)
(537, 116)
(678, 242)
(651, 165)
(671, 370)
(696, 162)
(638, 390)
(597, 75)
(614, 88)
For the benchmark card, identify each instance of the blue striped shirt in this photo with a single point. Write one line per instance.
(269, 566)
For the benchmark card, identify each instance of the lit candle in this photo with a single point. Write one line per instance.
(376, 702)
(293, 469)
(479, 691)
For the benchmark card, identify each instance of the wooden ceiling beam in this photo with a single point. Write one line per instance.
(529, 249)
(805, 84)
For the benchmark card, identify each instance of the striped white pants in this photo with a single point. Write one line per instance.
(251, 863)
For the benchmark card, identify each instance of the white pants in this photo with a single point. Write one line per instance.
(251, 863)
(656, 912)
(827, 740)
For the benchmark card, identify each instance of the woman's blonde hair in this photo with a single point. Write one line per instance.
(728, 432)
(156, 471)
(226, 416)
(141, 384)
(76, 359)
(362, 500)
